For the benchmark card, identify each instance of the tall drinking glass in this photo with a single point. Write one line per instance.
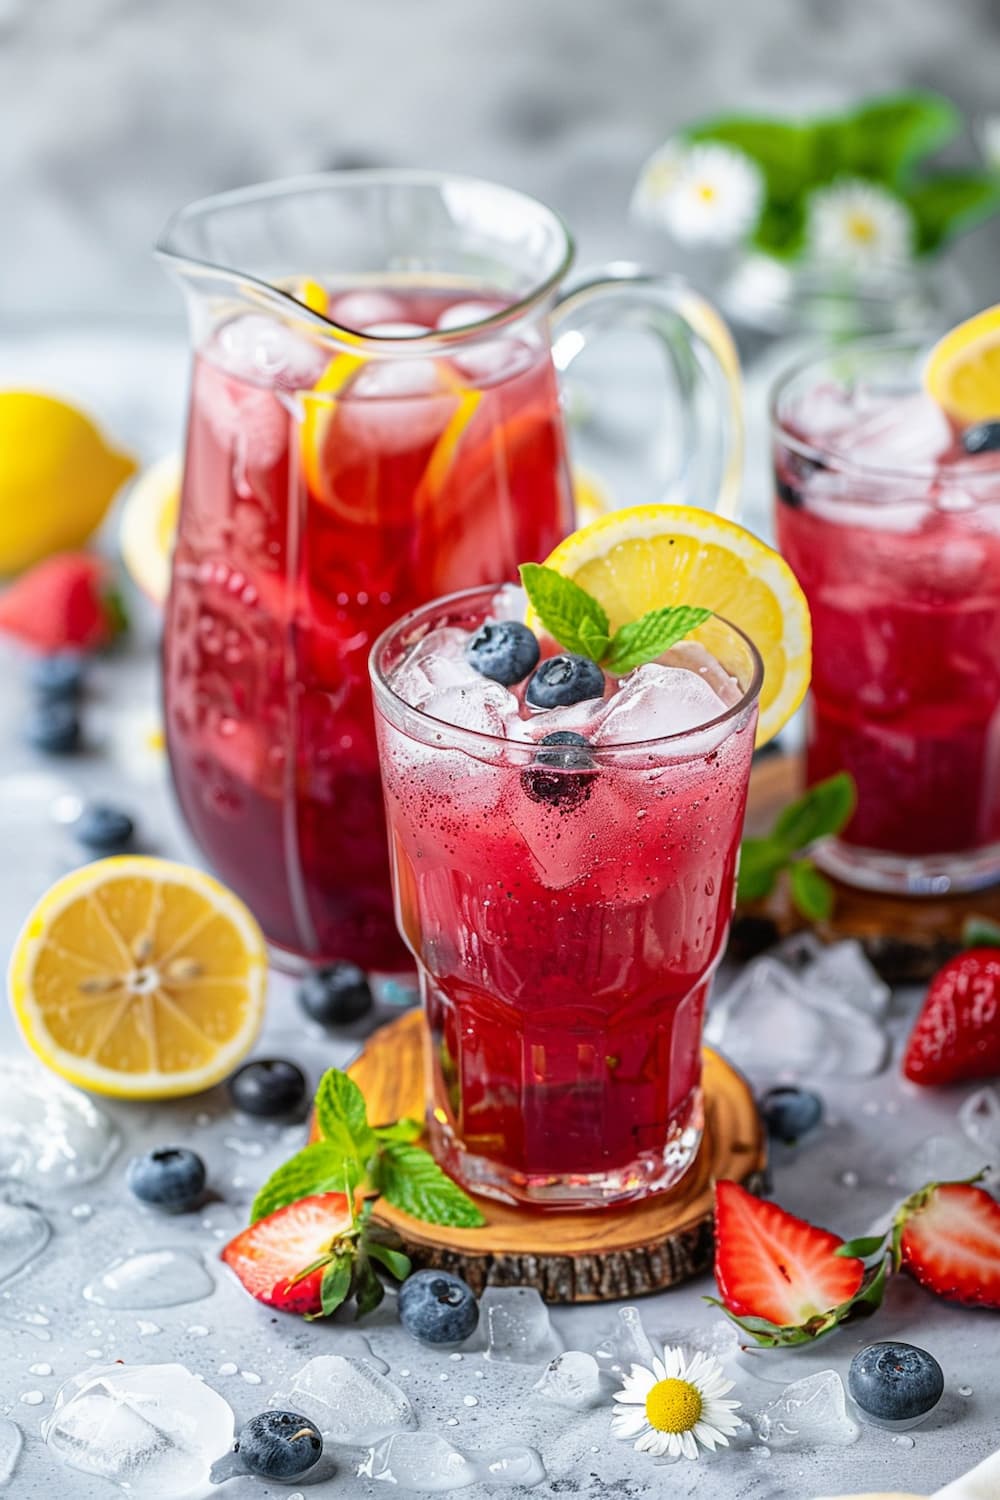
(374, 420)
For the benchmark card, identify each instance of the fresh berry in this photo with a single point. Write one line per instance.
(64, 603)
(53, 728)
(895, 1382)
(982, 437)
(957, 1035)
(770, 1265)
(171, 1177)
(561, 680)
(438, 1308)
(58, 677)
(268, 1087)
(504, 650)
(948, 1238)
(278, 1444)
(336, 995)
(562, 772)
(790, 1113)
(103, 829)
(271, 1255)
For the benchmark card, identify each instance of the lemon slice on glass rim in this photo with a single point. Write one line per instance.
(650, 556)
(962, 373)
(139, 978)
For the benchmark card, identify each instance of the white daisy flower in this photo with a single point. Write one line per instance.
(858, 225)
(704, 194)
(676, 1405)
(656, 181)
(989, 141)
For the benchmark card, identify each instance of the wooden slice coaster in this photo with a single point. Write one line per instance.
(591, 1256)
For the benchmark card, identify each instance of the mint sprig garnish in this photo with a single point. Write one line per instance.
(823, 810)
(579, 622)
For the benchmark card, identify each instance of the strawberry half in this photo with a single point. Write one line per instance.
(947, 1237)
(304, 1237)
(957, 1035)
(67, 602)
(782, 1279)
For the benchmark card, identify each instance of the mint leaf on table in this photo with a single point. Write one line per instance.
(411, 1180)
(570, 615)
(319, 1168)
(812, 893)
(822, 810)
(342, 1115)
(647, 638)
(335, 1287)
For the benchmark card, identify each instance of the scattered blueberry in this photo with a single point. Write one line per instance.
(278, 1444)
(565, 679)
(504, 650)
(171, 1177)
(53, 727)
(982, 437)
(103, 829)
(790, 1113)
(895, 1382)
(268, 1087)
(563, 770)
(751, 935)
(58, 677)
(438, 1308)
(336, 995)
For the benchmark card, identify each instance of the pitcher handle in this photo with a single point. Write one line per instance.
(709, 470)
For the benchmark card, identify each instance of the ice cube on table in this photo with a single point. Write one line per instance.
(24, 1233)
(265, 350)
(810, 1413)
(156, 1429)
(979, 1118)
(718, 1340)
(655, 701)
(422, 1461)
(839, 969)
(514, 1465)
(518, 1328)
(939, 1158)
(11, 1443)
(151, 1278)
(769, 1021)
(351, 1402)
(628, 1344)
(572, 1379)
(51, 1135)
(356, 1347)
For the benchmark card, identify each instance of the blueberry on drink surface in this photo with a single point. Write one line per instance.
(171, 1178)
(562, 771)
(562, 680)
(790, 1113)
(438, 1308)
(336, 995)
(982, 437)
(268, 1087)
(503, 650)
(895, 1382)
(279, 1444)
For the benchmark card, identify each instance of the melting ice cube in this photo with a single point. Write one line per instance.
(654, 701)
(363, 308)
(979, 1117)
(51, 1135)
(262, 349)
(10, 1448)
(518, 1328)
(151, 1278)
(436, 663)
(513, 1465)
(351, 1402)
(692, 656)
(810, 1413)
(629, 1344)
(24, 1233)
(843, 970)
(572, 1379)
(939, 1158)
(898, 433)
(422, 1461)
(154, 1428)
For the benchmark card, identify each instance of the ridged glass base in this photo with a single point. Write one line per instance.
(910, 875)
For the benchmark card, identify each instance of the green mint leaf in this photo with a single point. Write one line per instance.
(824, 809)
(784, 150)
(886, 137)
(812, 893)
(395, 1262)
(761, 861)
(980, 932)
(368, 1290)
(567, 611)
(411, 1180)
(406, 1130)
(342, 1116)
(861, 1249)
(653, 633)
(336, 1284)
(948, 203)
(319, 1168)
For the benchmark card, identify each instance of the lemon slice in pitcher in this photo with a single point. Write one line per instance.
(649, 556)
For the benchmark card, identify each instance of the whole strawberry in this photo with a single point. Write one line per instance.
(67, 602)
(957, 1034)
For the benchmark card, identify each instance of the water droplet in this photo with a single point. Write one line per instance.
(456, 1356)
(452, 1422)
(39, 1369)
(965, 1390)
(404, 1373)
(760, 1451)
(93, 1353)
(470, 1400)
(151, 1278)
(241, 1147)
(198, 1331)
(903, 1440)
(32, 1398)
(146, 1328)
(480, 1374)
(202, 1119)
(849, 1179)
(228, 1368)
(444, 1377)
(81, 1211)
(251, 1377)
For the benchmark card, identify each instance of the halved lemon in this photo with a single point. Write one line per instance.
(653, 555)
(149, 525)
(139, 978)
(962, 372)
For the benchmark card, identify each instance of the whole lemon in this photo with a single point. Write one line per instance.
(58, 475)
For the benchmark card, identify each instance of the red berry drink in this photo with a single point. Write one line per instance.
(892, 527)
(325, 494)
(564, 878)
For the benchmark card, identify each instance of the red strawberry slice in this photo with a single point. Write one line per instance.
(948, 1238)
(957, 1035)
(270, 1256)
(66, 602)
(771, 1265)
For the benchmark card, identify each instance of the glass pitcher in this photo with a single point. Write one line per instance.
(374, 421)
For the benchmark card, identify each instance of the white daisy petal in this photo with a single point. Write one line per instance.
(715, 197)
(658, 177)
(626, 1424)
(659, 1369)
(651, 1441)
(689, 1448)
(859, 226)
(674, 1446)
(706, 1435)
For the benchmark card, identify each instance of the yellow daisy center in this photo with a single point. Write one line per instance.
(673, 1406)
(860, 228)
(706, 192)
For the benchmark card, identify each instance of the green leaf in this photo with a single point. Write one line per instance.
(653, 633)
(824, 809)
(785, 150)
(368, 1291)
(781, 230)
(319, 1168)
(761, 861)
(980, 932)
(812, 893)
(886, 137)
(567, 611)
(403, 1130)
(395, 1262)
(411, 1180)
(861, 1249)
(948, 203)
(342, 1116)
(336, 1284)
